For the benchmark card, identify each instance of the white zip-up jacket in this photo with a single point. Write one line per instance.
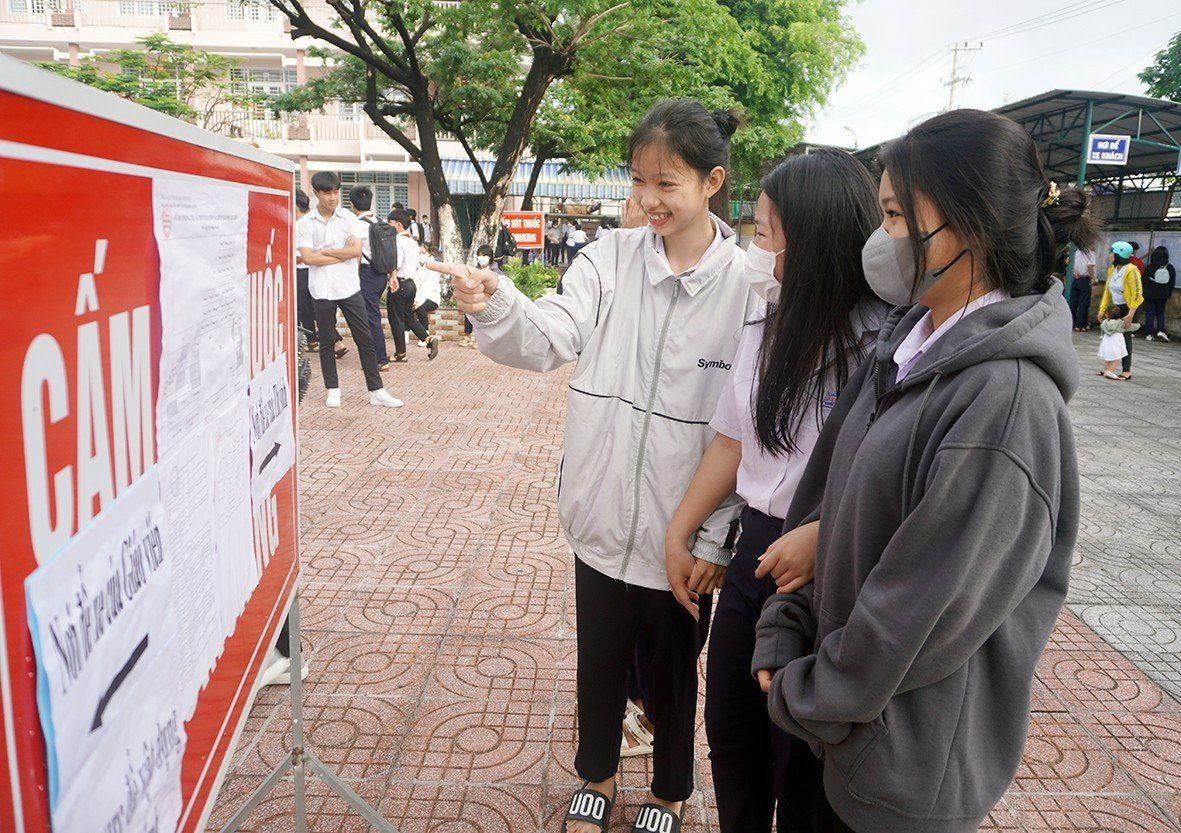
(653, 352)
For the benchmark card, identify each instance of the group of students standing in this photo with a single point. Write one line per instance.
(350, 260)
(872, 401)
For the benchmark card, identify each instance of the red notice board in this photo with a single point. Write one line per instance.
(527, 227)
(78, 167)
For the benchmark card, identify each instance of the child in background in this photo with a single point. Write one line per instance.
(1112, 348)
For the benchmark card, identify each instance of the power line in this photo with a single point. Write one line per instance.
(1049, 18)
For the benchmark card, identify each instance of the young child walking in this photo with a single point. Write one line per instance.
(1112, 347)
(652, 318)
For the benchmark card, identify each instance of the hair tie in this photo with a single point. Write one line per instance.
(1053, 195)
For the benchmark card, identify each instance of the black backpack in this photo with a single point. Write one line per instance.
(383, 247)
(506, 244)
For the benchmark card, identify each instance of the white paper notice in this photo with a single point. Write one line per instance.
(201, 234)
(233, 543)
(106, 647)
(186, 487)
(272, 437)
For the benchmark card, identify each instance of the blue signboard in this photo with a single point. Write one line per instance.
(1104, 149)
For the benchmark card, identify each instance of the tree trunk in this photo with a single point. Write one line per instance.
(543, 156)
(546, 66)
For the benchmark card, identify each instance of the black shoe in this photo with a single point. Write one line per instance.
(340, 351)
(432, 347)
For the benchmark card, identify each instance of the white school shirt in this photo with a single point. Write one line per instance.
(337, 280)
(427, 286)
(924, 335)
(365, 217)
(575, 237)
(1083, 261)
(767, 482)
(407, 256)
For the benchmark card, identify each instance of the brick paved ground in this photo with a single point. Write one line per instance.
(439, 615)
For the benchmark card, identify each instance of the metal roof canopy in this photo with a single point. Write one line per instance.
(1061, 121)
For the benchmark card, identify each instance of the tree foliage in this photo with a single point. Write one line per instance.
(568, 79)
(1164, 76)
(168, 77)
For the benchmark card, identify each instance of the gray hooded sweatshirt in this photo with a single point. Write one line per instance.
(948, 507)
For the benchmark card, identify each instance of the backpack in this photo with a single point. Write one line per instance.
(383, 247)
(506, 244)
(1161, 275)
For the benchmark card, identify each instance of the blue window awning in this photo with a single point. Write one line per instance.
(554, 182)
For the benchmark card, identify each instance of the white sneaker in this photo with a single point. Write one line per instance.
(278, 670)
(1148, 337)
(381, 396)
(1162, 337)
(333, 400)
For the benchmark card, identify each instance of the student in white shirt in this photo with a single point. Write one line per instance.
(329, 243)
(1080, 290)
(818, 322)
(373, 284)
(430, 293)
(399, 302)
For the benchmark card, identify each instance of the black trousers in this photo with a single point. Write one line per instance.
(372, 285)
(759, 770)
(1126, 363)
(423, 313)
(304, 310)
(399, 307)
(617, 621)
(353, 308)
(1080, 301)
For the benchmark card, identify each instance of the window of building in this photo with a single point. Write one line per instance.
(388, 188)
(250, 10)
(148, 8)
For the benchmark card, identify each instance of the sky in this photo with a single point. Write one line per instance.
(1020, 48)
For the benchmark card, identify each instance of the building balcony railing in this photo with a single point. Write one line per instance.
(289, 127)
(158, 15)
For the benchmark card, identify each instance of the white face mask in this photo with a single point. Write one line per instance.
(482, 261)
(760, 271)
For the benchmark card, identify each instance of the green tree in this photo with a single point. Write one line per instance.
(169, 77)
(1164, 76)
(567, 78)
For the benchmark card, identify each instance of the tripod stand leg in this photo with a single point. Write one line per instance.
(317, 767)
(258, 795)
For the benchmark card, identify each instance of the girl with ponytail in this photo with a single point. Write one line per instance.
(651, 318)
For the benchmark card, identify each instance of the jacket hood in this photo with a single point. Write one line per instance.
(1035, 327)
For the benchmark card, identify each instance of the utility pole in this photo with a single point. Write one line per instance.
(956, 79)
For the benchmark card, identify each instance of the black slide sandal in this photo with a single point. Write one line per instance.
(590, 806)
(653, 818)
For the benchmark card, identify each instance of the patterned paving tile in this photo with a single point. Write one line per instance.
(439, 617)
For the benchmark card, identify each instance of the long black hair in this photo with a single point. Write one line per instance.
(983, 174)
(828, 206)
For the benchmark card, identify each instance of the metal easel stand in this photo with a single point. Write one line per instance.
(300, 761)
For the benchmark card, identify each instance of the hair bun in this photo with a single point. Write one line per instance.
(1073, 219)
(728, 121)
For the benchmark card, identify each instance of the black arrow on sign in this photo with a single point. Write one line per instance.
(105, 700)
(271, 455)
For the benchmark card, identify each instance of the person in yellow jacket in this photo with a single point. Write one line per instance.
(1125, 290)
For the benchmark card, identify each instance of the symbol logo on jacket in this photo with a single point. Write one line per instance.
(704, 365)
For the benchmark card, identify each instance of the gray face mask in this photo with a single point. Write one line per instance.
(889, 267)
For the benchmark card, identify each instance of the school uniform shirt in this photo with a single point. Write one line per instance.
(652, 349)
(575, 237)
(407, 256)
(368, 218)
(427, 286)
(1083, 261)
(767, 482)
(335, 281)
(922, 338)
